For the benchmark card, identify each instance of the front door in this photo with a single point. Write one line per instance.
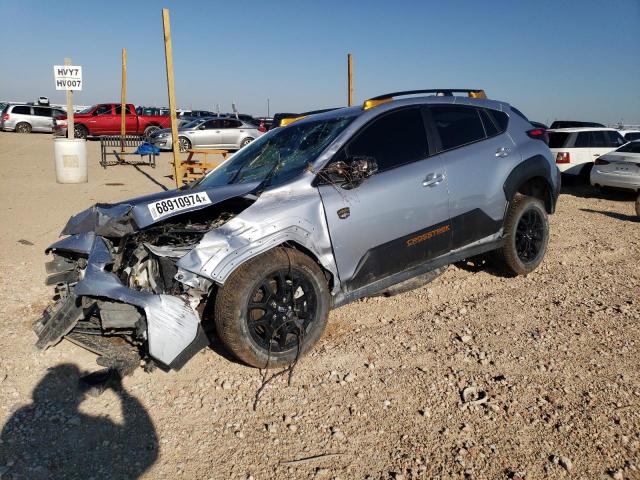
(103, 122)
(397, 218)
(208, 134)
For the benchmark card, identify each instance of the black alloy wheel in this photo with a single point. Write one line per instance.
(280, 310)
(529, 236)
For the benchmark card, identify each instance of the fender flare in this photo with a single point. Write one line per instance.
(533, 167)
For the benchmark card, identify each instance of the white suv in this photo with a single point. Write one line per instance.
(575, 149)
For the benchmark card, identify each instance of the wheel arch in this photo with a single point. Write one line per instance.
(533, 177)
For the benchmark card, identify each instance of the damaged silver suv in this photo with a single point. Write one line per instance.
(349, 203)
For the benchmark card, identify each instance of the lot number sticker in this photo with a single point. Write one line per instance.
(168, 206)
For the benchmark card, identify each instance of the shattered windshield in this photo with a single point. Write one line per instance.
(279, 155)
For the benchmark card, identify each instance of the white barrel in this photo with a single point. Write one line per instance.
(71, 160)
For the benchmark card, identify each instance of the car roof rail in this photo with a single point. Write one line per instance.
(444, 92)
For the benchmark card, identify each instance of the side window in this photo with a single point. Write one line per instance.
(457, 125)
(599, 140)
(614, 139)
(21, 110)
(582, 140)
(393, 139)
(232, 124)
(42, 111)
(102, 110)
(501, 119)
(213, 124)
(57, 113)
(128, 110)
(489, 127)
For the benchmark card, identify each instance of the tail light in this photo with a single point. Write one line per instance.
(5, 117)
(601, 161)
(563, 157)
(539, 134)
(262, 128)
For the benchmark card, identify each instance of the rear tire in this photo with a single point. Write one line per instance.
(526, 235)
(246, 142)
(23, 127)
(638, 206)
(270, 304)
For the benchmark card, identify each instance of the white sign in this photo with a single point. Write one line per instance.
(68, 77)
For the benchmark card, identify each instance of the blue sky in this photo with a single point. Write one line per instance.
(575, 60)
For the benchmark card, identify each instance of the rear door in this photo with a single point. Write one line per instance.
(232, 133)
(477, 156)
(397, 218)
(42, 121)
(130, 120)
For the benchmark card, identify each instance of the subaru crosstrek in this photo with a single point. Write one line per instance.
(354, 202)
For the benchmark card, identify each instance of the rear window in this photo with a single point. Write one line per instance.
(558, 139)
(629, 137)
(21, 110)
(633, 147)
(457, 126)
(489, 127)
(501, 118)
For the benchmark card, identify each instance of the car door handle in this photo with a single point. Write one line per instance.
(596, 154)
(503, 152)
(432, 180)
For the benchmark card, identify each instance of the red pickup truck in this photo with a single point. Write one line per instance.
(104, 119)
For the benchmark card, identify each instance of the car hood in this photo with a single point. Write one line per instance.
(119, 219)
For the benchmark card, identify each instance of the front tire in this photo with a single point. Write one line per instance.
(273, 308)
(184, 144)
(23, 127)
(526, 235)
(80, 131)
(150, 130)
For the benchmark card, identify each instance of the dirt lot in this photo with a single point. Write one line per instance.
(555, 354)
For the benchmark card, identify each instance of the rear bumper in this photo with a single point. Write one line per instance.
(616, 180)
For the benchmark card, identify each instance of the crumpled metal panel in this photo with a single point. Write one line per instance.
(118, 219)
(291, 213)
(172, 323)
(80, 243)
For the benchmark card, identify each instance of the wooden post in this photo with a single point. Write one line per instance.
(349, 80)
(168, 55)
(123, 100)
(71, 133)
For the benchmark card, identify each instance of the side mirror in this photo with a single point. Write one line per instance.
(350, 175)
(201, 127)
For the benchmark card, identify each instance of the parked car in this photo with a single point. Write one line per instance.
(213, 132)
(24, 118)
(105, 118)
(573, 124)
(575, 149)
(630, 135)
(332, 208)
(618, 169)
(277, 118)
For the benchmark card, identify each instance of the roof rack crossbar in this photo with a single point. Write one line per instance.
(445, 91)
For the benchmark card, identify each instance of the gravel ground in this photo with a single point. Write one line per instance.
(473, 376)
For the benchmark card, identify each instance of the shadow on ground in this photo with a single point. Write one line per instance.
(51, 438)
(588, 191)
(616, 215)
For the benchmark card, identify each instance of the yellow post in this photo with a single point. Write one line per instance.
(349, 80)
(70, 123)
(123, 99)
(168, 55)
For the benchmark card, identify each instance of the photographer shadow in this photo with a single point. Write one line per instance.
(51, 438)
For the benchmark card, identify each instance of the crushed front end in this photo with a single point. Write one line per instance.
(118, 291)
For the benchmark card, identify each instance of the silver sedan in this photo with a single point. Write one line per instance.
(212, 132)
